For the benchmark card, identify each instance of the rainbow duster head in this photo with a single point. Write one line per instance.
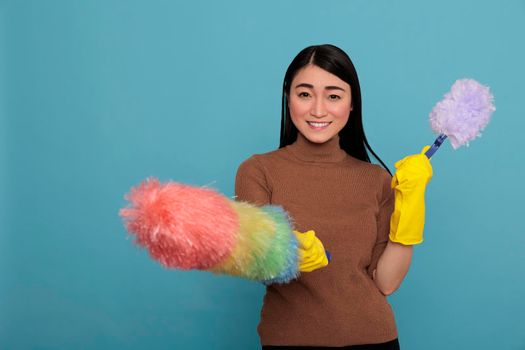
(190, 227)
(463, 112)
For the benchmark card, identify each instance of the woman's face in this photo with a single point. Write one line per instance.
(319, 103)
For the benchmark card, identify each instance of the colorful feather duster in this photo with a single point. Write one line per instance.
(462, 114)
(188, 227)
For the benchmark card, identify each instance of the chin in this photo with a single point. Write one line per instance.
(318, 138)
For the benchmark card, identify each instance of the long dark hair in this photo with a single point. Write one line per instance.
(352, 137)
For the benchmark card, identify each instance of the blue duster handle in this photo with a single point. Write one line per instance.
(435, 146)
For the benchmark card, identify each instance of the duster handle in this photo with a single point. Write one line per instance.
(435, 146)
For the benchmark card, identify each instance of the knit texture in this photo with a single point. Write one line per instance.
(348, 202)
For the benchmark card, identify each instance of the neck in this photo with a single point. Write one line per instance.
(326, 152)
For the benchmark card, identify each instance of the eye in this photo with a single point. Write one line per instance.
(334, 97)
(303, 94)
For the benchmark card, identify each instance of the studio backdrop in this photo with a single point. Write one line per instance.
(95, 96)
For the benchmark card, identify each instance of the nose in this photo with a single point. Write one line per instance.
(318, 108)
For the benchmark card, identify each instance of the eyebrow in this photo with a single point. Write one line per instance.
(330, 87)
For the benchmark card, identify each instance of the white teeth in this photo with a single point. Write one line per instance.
(318, 124)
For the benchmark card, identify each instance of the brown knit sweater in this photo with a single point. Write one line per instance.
(348, 202)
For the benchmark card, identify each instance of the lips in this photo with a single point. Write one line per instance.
(318, 125)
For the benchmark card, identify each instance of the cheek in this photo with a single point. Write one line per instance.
(297, 113)
(341, 111)
(297, 108)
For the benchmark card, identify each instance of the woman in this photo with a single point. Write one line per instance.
(322, 176)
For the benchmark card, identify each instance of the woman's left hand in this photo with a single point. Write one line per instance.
(409, 182)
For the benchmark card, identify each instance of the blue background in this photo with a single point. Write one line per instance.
(97, 95)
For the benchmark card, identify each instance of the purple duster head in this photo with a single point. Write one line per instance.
(464, 111)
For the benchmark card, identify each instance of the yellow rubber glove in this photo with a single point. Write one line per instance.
(312, 255)
(409, 182)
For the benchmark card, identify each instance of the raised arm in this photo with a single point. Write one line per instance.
(406, 223)
(390, 260)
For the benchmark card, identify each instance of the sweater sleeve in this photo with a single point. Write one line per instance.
(251, 183)
(386, 208)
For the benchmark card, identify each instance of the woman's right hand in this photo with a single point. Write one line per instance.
(312, 254)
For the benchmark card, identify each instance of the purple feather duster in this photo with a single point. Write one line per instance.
(463, 112)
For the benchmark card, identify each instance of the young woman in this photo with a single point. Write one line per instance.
(322, 176)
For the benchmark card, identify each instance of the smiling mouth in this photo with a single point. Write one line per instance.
(318, 126)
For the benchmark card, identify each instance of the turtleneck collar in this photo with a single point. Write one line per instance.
(327, 152)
